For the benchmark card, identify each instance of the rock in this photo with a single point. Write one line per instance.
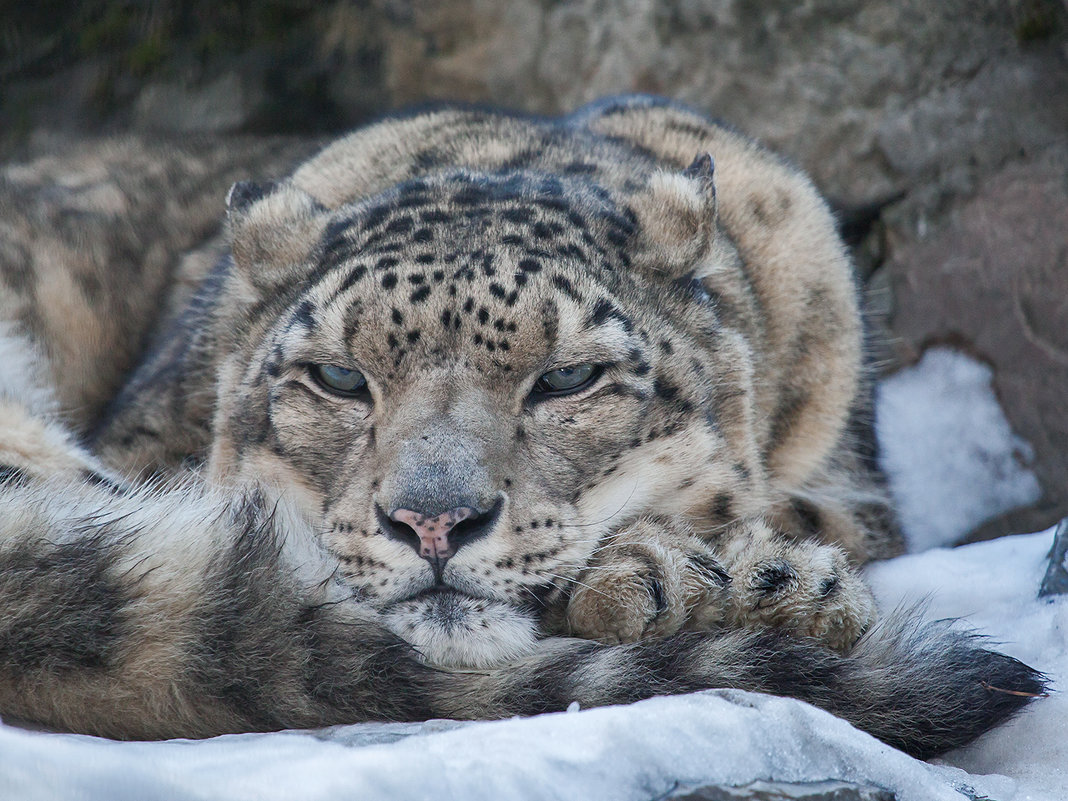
(1055, 581)
(222, 105)
(788, 791)
(870, 97)
(991, 278)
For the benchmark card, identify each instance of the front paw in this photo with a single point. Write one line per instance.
(650, 581)
(807, 589)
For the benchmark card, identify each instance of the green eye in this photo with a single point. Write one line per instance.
(567, 379)
(337, 379)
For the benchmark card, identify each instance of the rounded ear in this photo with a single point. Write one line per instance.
(677, 215)
(244, 193)
(274, 231)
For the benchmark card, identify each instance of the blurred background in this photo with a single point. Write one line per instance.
(938, 129)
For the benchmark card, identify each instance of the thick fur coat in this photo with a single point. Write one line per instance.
(477, 415)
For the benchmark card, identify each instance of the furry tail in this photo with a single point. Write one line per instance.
(924, 688)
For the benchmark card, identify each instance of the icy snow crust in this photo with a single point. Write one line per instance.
(637, 752)
(953, 462)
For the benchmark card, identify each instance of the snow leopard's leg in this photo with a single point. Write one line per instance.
(33, 436)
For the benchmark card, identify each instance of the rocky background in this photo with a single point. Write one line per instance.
(939, 128)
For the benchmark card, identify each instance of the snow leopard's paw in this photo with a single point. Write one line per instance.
(805, 588)
(649, 580)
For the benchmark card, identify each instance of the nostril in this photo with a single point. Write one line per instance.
(476, 526)
(396, 530)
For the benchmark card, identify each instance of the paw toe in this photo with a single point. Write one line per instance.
(772, 580)
(829, 587)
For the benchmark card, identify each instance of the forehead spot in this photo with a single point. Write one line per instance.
(435, 216)
(377, 215)
(547, 230)
(303, 315)
(385, 263)
(401, 225)
(357, 272)
(565, 286)
(517, 215)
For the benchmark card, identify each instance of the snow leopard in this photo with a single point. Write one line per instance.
(476, 414)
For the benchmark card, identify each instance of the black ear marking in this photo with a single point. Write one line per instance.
(702, 169)
(244, 193)
(693, 287)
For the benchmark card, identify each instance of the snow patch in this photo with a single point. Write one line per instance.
(951, 458)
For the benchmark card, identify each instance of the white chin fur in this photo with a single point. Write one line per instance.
(456, 631)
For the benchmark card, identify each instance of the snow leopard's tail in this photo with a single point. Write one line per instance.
(925, 688)
(154, 614)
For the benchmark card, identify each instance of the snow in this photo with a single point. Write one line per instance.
(994, 586)
(951, 457)
(637, 752)
(954, 463)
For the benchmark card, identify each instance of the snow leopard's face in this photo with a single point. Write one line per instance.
(469, 381)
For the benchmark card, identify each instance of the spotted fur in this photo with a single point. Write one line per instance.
(331, 556)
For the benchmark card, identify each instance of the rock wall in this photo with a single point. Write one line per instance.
(941, 129)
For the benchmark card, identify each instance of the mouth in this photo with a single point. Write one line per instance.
(436, 590)
(437, 593)
(451, 628)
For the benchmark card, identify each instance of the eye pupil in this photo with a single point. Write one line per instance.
(338, 379)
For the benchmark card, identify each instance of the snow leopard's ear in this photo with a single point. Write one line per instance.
(275, 229)
(676, 213)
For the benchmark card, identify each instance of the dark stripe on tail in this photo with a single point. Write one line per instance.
(60, 610)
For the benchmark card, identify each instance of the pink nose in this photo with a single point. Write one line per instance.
(433, 532)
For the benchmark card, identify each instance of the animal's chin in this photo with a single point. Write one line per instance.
(454, 630)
